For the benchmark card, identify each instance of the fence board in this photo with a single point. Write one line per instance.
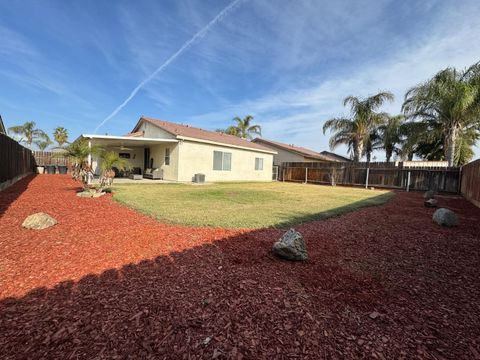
(470, 187)
(15, 159)
(43, 158)
(384, 175)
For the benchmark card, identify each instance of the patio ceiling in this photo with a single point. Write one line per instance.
(110, 140)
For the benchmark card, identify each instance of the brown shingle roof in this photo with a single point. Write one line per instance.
(135, 134)
(335, 157)
(296, 149)
(201, 134)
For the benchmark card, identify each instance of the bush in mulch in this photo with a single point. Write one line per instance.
(107, 282)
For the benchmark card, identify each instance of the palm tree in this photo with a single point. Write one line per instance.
(110, 160)
(390, 135)
(244, 128)
(28, 134)
(373, 142)
(451, 99)
(355, 132)
(231, 130)
(43, 144)
(60, 135)
(78, 153)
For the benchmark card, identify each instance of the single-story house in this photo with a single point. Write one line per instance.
(181, 151)
(291, 153)
(335, 157)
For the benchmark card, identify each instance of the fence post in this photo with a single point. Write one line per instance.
(306, 175)
(366, 180)
(408, 181)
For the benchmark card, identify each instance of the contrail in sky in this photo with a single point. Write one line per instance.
(172, 58)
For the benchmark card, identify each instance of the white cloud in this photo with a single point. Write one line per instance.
(297, 113)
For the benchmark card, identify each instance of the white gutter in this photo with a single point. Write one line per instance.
(127, 138)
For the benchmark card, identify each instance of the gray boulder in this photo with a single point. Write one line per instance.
(445, 217)
(38, 221)
(291, 246)
(430, 194)
(431, 203)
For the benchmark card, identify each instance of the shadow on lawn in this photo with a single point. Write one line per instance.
(11, 193)
(228, 299)
(289, 219)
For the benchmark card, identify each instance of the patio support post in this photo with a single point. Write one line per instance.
(408, 181)
(89, 160)
(306, 175)
(366, 180)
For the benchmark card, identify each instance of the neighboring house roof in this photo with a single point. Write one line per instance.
(2, 127)
(292, 148)
(189, 132)
(136, 134)
(335, 157)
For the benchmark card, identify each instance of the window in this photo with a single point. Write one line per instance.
(258, 163)
(222, 160)
(167, 156)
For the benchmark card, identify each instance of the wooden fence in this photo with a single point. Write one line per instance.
(15, 160)
(383, 175)
(43, 158)
(470, 185)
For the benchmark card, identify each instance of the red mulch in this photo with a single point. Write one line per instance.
(109, 283)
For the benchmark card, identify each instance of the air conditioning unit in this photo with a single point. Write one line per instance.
(199, 178)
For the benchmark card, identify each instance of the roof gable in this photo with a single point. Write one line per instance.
(187, 131)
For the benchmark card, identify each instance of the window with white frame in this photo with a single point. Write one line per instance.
(258, 163)
(222, 160)
(167, 156)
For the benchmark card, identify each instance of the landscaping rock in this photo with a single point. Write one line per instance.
(90, 194)
(430, 194)
(445, 217)
(38, 221)
(430, 203)
(291, 246)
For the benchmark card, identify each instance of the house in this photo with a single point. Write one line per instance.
(335, 157)
(291, 153)
(181, 151)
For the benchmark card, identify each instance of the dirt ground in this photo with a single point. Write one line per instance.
(108, 283)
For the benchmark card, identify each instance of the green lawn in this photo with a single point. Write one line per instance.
(244, 205)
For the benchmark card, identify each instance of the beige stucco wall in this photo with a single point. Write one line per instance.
(157, 152)
(152, 131)
(196, 157)
(284, 156)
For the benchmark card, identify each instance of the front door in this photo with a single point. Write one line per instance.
(146, 158)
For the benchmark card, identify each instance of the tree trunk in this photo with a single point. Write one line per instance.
(450, 140)
(388, 154)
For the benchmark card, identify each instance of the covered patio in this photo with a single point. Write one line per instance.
(142, 153)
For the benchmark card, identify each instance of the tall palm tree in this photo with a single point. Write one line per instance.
(452, 99)
(372, 143)
(60, 135)
(355, 132)
(413, 136)
(244, 128)
(390, 135)
(28, 133)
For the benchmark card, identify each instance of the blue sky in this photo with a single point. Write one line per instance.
(287, 62)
